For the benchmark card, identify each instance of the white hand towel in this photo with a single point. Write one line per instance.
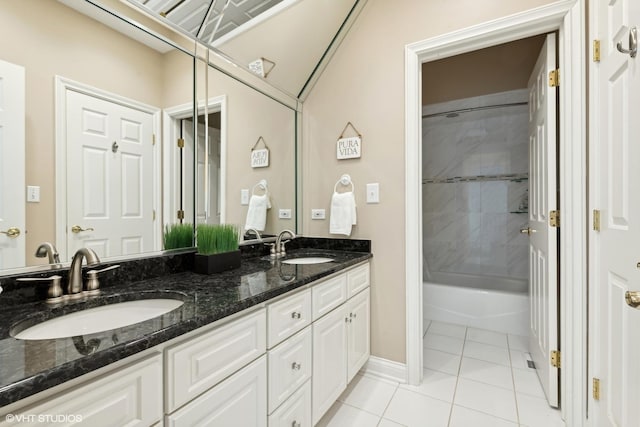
(343, 213)
(257, 213)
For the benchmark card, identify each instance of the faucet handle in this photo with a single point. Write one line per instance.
(93, 284)
(54, 293)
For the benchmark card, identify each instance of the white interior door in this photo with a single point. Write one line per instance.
(615, 191)
(110, 170)
(543, 238)
(207, 206)
(12, 179)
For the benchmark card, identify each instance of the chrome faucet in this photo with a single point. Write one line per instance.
(47, 249)
(278, 248)
(254, 231)
(75, 272)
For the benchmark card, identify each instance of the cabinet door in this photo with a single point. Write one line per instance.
(328, 295)
(358, 337)
(357, 279)
(329, 360)
(289, 367)
(131, 396)
(296, 411)
(238, 401)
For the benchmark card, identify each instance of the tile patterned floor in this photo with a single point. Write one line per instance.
(472, 378)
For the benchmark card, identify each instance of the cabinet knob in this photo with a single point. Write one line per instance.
(295, 315)
(295, 366)
(296, 424)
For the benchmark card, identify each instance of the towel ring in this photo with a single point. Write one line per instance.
(261, 185)
(344, 180)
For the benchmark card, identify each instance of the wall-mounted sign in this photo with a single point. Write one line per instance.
(260, 158)
(349, 148)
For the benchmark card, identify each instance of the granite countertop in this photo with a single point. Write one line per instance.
(29, 367)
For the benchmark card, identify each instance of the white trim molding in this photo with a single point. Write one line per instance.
(385, 369)
(568, 18)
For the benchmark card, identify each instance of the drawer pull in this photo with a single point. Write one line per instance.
(296, 424)
(295, 366)
(295, 315)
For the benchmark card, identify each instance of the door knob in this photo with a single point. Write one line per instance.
(632, 298)
(12, 232)
(78, 229)
(527, 231)
(633, 43)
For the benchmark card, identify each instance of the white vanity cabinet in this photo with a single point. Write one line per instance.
(131, 396)
(341, 344)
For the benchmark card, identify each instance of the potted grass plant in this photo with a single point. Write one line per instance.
(217, 246)
(178, 236)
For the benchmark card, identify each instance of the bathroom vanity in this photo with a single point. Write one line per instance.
(269, 344)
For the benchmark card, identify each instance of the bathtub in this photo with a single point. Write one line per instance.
(495, 303)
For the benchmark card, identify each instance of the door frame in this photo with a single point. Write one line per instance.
(170, 130)
(568, 18)
(62, 84)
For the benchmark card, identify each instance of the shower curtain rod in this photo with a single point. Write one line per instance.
(467, 110)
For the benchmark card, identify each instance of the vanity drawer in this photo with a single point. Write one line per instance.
(357, 279)
(328, 295)
(288, 316)
(296, 411)
(203, 361)
(289, 367)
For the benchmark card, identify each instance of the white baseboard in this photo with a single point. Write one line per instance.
(386, 369)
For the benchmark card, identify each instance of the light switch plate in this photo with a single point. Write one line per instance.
(33, 194)
(244, 196)
(284, 214)
(373, 193)
(317, 214)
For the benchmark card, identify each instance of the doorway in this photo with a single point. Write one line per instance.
(564, 17)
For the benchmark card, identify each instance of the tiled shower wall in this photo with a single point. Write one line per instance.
(471, 222)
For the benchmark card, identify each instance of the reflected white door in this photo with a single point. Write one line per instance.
(543, 252)
(12, 179)
(109, 176)
(615, 326)
(207, 207)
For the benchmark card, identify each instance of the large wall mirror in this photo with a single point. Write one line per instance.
(89, 152)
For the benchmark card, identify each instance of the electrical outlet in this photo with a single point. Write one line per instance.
(244, 196)
(317, 214)
(284, 214)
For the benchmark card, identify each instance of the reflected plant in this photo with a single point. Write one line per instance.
(178, 236)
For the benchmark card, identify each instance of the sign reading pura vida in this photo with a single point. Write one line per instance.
(349, 148)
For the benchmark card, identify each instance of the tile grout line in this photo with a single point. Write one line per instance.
(389, 403)
(513, 380)
(455, 390)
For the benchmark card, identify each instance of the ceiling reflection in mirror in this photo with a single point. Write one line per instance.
(104, 106)
(281, 40)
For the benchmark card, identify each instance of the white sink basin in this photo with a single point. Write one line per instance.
(307, 260)
(99, 319)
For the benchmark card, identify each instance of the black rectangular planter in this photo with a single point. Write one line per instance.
(216, 263)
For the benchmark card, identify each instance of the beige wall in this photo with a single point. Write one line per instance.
(364, 84)
(59, 41)
(495, 69)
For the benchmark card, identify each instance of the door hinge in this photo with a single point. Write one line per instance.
(180, 143)
(596, 220)
(555, 359)
(554, 218)
(180, 214)
(154, 214)
(596, 389)
(596, 51)
(153, 139)
(554, 78)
